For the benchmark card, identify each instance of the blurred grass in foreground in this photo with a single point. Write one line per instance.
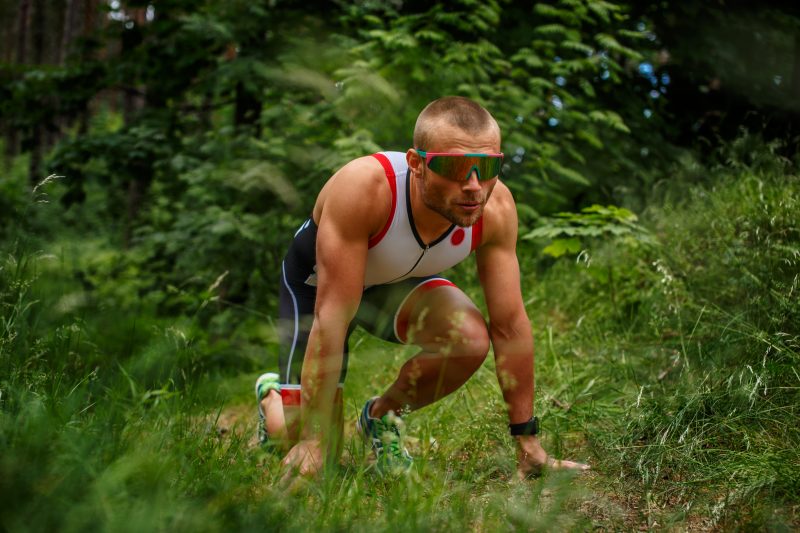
(681, 389)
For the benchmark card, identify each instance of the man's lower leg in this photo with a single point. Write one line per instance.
(424, 379)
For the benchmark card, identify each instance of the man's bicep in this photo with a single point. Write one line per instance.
(498, 267)
(341, 261)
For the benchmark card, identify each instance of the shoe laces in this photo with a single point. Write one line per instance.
(388, 431)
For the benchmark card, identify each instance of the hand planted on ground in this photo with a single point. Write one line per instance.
(303, 460)
(532, 459)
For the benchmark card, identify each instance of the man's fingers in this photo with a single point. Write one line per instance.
(290, 471)
(299, 463)
(526, 470)
(563, 464)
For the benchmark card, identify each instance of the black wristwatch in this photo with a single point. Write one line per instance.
(531, 427)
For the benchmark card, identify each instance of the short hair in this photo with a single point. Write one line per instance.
(458, 111)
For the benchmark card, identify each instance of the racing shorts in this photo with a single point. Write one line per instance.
(384, 309)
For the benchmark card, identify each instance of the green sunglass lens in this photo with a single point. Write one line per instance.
(459, 168)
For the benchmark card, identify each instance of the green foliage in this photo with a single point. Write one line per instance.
(684, 391)
(697, 355)
(595, 222)
(229, 129)
(537, 76)
(15, 197)
(136, 307)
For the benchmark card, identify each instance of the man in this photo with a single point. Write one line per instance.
(381, 230)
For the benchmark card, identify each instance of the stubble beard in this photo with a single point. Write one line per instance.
(434, 201)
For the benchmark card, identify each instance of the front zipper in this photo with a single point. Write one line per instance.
(424, 251)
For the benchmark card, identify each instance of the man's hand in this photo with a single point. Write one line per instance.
(304, 459)
(532, 459)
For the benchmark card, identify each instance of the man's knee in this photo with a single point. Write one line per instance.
(446, 322)
(467, 337)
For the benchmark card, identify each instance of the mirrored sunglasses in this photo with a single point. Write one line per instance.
(459, 167)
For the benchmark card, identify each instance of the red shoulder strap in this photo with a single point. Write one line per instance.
(477, 232)
(390, 176)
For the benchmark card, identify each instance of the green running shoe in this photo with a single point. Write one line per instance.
(264, 384)
(383, 434)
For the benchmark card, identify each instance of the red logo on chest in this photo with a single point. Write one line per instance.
(457, 237)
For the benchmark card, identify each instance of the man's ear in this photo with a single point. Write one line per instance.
(415, 163)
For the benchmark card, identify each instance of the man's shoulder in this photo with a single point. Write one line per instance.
(378, 166)
(499, 216)
(364, 168)
(358, 190)
(500, 205)
(360, 177)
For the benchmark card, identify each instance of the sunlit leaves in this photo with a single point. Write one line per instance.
(569, 231)
(612, 44)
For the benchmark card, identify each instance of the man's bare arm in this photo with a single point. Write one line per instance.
(509, 327)
(346, 218)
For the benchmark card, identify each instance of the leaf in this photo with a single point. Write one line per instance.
(262, 175)
(550, 11)
(430, 35)
(544, 232)
(603, 9)
(568, 173)
(587, 88)
(592, 139)
(611, 44)
(578, 47)
(632, 34)
(540, 83)
(551, 29)
(609, 118)
(301, 78)
(559, 247)
(526, 212)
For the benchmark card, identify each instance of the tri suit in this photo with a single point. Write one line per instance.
(400, 267)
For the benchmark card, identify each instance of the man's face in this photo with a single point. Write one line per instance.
(460, 202)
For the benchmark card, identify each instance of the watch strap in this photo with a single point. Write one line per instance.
(531, 427)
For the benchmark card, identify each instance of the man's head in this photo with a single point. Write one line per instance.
(457, 125)
(456, 112)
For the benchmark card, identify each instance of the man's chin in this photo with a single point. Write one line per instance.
(466, 221)
(462, 220)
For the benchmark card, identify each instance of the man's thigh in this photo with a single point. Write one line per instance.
(418, 311)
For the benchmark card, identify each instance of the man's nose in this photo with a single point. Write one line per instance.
(472, 183)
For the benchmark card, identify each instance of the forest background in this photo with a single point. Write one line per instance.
(158, 156)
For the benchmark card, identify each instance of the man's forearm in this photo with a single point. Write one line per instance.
(322, 367)
(514, 366)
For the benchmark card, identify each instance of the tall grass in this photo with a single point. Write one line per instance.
(695, 389)
(681, 390)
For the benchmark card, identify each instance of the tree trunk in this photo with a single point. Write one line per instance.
(248, 110)
(70, 16)
(795, 88)
(37, 138)
(85, 26)
(7, 27)
(134, 101)
(20, 57)
(23, 23)
(90, 8)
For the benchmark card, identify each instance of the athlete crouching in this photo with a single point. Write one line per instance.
(382, 229)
